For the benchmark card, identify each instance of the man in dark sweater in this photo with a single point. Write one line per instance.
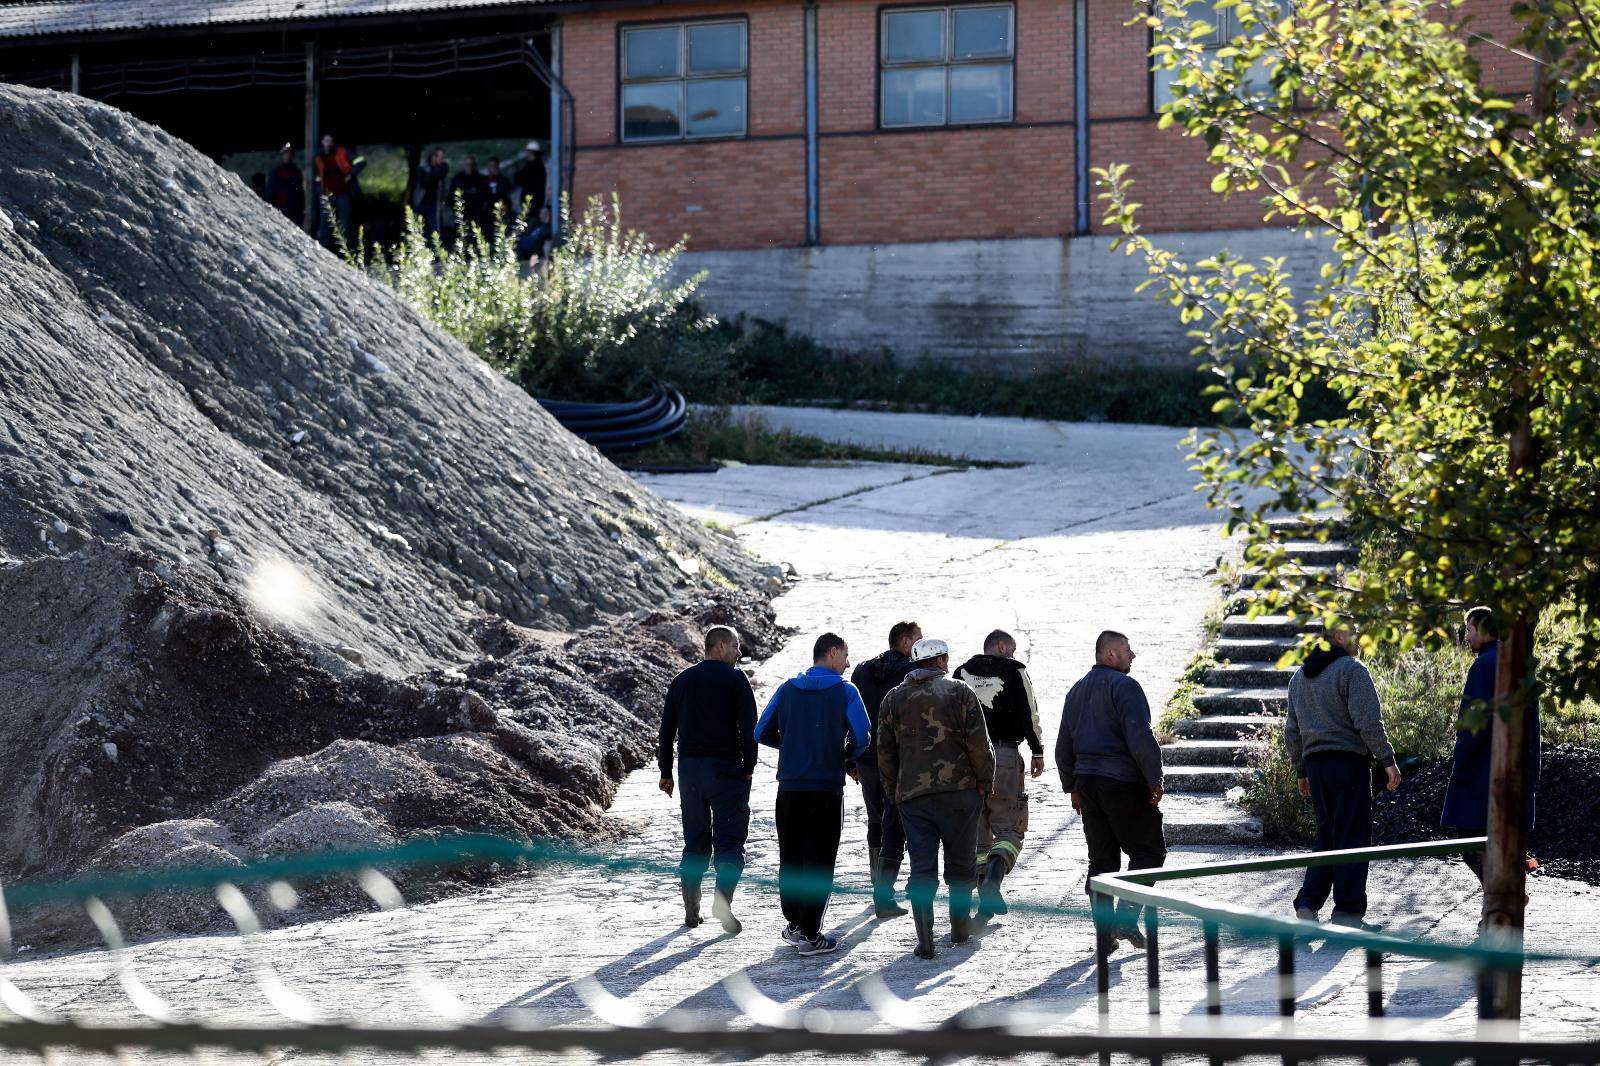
(1466, 798)
(815, 720)
(711, 713)
(886, 837)
(1333, 730)
(1110, 764)
(1012, 716)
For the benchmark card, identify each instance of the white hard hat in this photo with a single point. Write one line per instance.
(928, 648)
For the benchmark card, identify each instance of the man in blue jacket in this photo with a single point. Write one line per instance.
(1466, 798)
(816, 720)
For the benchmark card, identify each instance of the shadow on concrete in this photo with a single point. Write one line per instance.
(1432, 991)
(620, 977)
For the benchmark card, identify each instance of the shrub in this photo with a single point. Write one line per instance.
(1273, 794)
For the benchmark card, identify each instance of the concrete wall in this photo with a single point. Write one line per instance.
(1015, 304)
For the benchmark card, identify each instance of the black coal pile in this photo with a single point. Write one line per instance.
(148, 716)
(188, 374)
(1565, 838)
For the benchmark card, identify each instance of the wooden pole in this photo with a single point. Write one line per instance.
(313, 189)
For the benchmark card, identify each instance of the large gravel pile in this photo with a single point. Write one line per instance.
(187, 373)
(151, 717)
(1564, 837)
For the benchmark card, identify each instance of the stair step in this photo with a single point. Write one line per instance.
(1226, 726)
(1319, 553)
(1267, 625)
(1204, 778)
(1187, 752)
(1248, 676)
(1254, 650)
(1252, 576)
(1217, 824)
(1212, 701)
(1295, 525)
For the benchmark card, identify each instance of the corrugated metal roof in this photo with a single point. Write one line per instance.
(53, 18)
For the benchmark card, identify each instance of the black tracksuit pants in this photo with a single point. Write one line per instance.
(1118, 817)
(808, 845)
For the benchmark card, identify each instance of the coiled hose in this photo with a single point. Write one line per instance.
(623, 427)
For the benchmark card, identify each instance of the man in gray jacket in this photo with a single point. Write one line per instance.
(1334, 726)
(1110, 763)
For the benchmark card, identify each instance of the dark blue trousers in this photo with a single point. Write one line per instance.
(1341, 798)
(715, 798)
(950, 820)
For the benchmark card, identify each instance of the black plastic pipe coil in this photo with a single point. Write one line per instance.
(623, 427)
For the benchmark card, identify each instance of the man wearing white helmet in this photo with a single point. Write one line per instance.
(933, 750)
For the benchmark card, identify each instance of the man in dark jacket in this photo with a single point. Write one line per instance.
(1466, 798)
(815, 720)
(1110, 764)
(1333, 730)
(711, 714)
(933, 751)
(1012, 714)
(886, 839)
(497, 189)
(286, 186)
(428, 194)
(469, 194)
(529, 178)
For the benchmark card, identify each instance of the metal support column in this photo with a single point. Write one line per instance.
(813, 213)
(557, 138)
(1080, 116)
(1152, 959)
(313, 189)
(75, 75)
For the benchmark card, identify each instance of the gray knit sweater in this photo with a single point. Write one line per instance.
(1335, 711)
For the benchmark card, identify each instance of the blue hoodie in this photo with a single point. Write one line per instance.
(810, 720)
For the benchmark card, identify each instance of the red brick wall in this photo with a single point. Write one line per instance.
(890, 186)
(722, 194)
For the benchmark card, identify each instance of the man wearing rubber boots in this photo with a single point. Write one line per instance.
(933, 750)
(710, 713)
(1012, 714)
(886, 839)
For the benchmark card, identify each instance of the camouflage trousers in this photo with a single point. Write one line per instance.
(1005, 816)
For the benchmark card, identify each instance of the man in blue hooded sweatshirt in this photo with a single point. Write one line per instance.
(816, 720)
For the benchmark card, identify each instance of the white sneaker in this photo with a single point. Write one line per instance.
(820, 946)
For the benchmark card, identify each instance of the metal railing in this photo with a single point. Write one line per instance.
(887, 1023)
(1137, 887)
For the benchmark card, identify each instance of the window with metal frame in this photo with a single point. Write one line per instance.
(1225, 27)
(946, 66)
(684, 81)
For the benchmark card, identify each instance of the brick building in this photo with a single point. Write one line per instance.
(912, 176)
(909, 175)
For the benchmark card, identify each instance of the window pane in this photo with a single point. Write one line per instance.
(651, 53)
(910, 36)
(651, 110)
(980, 94)
(716, 107)
(913, 97)
(982, 33)
(713, 49)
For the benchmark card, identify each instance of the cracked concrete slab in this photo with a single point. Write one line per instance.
(1101, 529)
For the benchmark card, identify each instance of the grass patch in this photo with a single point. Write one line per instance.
(720, 436)
(1180, 704)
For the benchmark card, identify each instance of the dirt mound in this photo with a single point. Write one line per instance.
(1568, 809)
(187, 373)
(147, 716)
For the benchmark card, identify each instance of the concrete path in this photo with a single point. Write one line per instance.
(1102, 530)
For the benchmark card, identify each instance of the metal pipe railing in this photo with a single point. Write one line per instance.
(1138, 886)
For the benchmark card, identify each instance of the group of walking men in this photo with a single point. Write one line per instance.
(937, 755)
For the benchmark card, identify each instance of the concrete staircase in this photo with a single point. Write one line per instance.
(1243, 694)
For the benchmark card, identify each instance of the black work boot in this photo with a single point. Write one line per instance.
(990, 902)
(691, 903)
(960, 915)
(922, 918)
(722, 900)
(884, 876)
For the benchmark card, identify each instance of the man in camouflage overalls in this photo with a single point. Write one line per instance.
(933, 750)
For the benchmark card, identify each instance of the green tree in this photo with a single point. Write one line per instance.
(1456, 316)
